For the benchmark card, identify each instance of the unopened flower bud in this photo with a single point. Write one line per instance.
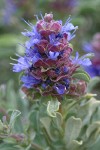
(48, 17)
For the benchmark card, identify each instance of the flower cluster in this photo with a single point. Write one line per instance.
(47, 64)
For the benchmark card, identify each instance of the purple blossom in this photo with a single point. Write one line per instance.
(35, 37)
(53, 55)
(84, 61)
(70, 36)
(54, 40)
(23, 64)
(28, 33)
(67, 83)
(31, 43)
(31, 52)
(60, 89)
(68, 27)
(57, 70)
(32, 33)
(87, 47)
(44, 85)
(35, 58)
(93, 70)
(29, 81)
(65, 70)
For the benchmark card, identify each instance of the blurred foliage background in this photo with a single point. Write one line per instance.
(85, 14)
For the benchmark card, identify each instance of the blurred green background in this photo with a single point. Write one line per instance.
(85, 14)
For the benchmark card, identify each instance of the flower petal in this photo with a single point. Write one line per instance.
(60, 89)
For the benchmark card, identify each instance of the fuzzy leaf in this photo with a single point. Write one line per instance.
(46, 122)
(14, 115)
(82, 76)
(76, 145)
(72, 130)
(59, 119)
(93, 127)
(87, 110)
(53, 107)
(93, 133)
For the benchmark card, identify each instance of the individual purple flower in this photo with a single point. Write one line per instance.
(60, 89)
(54, 39)
(31, 43)
(65, 70)
(88, 47)
(29, 81)
(34, 33)
(35, 58)
(67, 83)
(93, 70)
(67, 28)
(53, 55)
(83, 61)
(35, 37)
(23, 64)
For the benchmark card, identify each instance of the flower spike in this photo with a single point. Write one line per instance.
(47, 65)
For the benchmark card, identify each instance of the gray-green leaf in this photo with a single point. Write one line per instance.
(14, 115)
(72, 130)
(93, 133)
(53, 107)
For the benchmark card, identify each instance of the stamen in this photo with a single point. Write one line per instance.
(41, 16)
(21, 45)
(29, 24)
(68, 20)
(37, 17)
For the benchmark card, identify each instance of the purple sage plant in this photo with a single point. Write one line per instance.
(63, 116)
